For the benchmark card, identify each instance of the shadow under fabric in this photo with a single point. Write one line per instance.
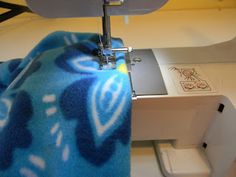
(60, 116)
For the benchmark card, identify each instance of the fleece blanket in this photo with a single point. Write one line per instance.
(60, 115)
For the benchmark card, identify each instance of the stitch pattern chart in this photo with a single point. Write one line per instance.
(190, 79)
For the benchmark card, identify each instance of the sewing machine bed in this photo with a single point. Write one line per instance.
(146, 77)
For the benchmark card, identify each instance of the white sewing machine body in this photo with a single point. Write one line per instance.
(187, 116)
(196, 124)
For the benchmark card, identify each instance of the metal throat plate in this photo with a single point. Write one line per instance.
(145, 73)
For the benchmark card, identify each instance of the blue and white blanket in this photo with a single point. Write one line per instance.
(60, 116)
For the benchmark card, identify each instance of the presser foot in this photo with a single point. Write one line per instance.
(107, 62)
(107, 56)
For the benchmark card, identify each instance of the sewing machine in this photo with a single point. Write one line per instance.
(105, 9)
(197, 128)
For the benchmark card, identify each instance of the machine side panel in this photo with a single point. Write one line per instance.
(184, 119)
(220, 140)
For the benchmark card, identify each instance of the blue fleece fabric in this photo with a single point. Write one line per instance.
(60, 116)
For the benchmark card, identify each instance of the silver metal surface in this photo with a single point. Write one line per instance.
(91, 8)
(114, 2)
(122, 49)
(145, 74)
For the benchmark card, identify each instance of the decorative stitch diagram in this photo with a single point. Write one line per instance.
(191, 80)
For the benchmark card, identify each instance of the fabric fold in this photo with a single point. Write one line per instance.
(60, 115)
